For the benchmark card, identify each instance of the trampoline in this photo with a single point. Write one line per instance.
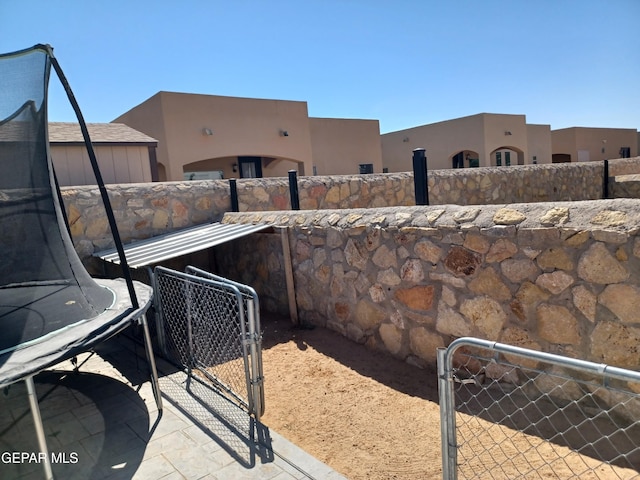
(51, 309)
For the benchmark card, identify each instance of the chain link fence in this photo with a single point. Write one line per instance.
(209, 326)
(508, 412)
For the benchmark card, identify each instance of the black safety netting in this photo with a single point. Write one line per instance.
(43, 285)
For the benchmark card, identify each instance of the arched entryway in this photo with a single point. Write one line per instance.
(241, 166)
(465, 159)
(506, 156)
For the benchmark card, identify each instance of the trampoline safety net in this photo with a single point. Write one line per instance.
(41, 275)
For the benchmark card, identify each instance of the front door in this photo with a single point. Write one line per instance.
(250, 167)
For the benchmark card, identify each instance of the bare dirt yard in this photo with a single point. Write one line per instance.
(367, 415)
(370, 416)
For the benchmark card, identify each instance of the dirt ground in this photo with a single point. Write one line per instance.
(372, 417)
(365, 414)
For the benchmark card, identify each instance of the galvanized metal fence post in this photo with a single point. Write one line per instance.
(447, 417)
(293, 190)
(420, 176)
(254, 355)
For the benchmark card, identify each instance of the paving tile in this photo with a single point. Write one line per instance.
(238, 472)
(193, 462)
(65, 428)
(110, 420)
(167, 442)
(285, 476)
(176, 476)
(288, 453)
(153, 468)
(169, 422)
(113, 441)
(94, 423)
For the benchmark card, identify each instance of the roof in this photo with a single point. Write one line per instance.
(171, 245)
(114, 133)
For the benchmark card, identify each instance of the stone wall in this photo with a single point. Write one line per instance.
(560, 277)
(145, 210)
(625, 186)
(624, 166)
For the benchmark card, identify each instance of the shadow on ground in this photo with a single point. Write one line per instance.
(84, 417)
(379, 366)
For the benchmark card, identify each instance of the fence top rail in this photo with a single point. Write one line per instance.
(244, 289)
(607, 371)
(203, 281)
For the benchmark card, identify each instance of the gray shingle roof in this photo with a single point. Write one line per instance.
(69, 132)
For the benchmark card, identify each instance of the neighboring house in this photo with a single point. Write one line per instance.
(210, 136)
(583, 144)
(124, 154)
(481, 140)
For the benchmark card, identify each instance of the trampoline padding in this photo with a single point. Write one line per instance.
(34, 346)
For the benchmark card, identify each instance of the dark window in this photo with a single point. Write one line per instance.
(250, 167)
(366, 168)
(458, 160)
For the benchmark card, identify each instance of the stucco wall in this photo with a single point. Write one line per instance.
(339, 145)
(538, 144)
(239, 126)
(482, 134)
(595, 143)
(561, 277)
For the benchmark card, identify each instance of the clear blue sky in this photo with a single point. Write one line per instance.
(406, 63)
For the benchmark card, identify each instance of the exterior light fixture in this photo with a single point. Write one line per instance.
(507, 132)
(234, 167)
(207, 131)
(405, 139)
(284, 133)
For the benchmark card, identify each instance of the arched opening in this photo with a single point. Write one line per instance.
(465, 159)
(561, 158)
(241, 166)
(506, 156)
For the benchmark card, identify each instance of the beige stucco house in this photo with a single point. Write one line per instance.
(481, 140)
(178, 136)
(583, 144)
(124, 155)
(210, 136)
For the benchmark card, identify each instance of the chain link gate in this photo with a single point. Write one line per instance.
(211, 326)
(507, 412)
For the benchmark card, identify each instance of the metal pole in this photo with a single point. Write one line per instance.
(293, 190)
(234, 195)
(37, 422)
(447, 417)
(605, 180)
(420, 176)
(288, 276)
(256, 376)
(148, 347)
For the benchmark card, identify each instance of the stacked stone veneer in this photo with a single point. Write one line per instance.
(559, 277)
(146, 210)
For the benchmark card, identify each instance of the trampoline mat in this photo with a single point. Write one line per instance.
(43, 332)
(28, 313)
